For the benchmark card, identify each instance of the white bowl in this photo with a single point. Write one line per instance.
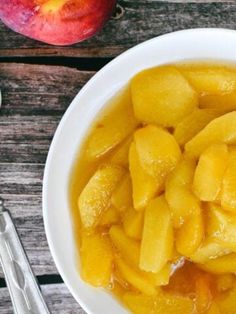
(182, 45)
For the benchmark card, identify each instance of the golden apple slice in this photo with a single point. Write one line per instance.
(120, 156)
(228, 194)
(214, 309)
(96, 250)
(145, 187)
(109, 217)
(203, 293)
(162, 96)
(225, 282)
(122, 195)
(157, 149)
(225, 102)
(133, 223)
(221, 265)
(95, 197)
(221, 129)
(193, 123)
(213, 80)
(227, 302)
(209, 172)
(109, 132)
(191, 233)
(157, 240)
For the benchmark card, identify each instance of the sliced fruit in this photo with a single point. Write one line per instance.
(203, 294)
(193, 123)
(214, 309)
(213, 80)
(134, 278)
(221, 265)
(221, 227)
(122, 195)
(109, 217)
(221, 129)
(139, 303)
(109, 132)
(133, 223)
(95, 197)
(191, 233)
(228, 194)
(144, 186)
(157, 240)
(207, 251)
(127, 247)
(225, 102)
(96, 250)
(225, 282)
(162, 96)
(162, 277)
(120, 156)
(209, 172)
(158, 151)
(227, 302)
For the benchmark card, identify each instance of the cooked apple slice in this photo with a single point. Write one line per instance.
(191, 233)
(157, 240)
(221, 227)
(120, 156)
(145, 187)
(214, 309)
(193, 123)
(227, 302)
(225, 282)
(210, 80)
(228, 195)
(133, 223)
(221, 265)
(225, 102)
(178, 195)
(122, 195)
(209, 172)
(109, 217)
(162, 96)
(157, 150)
(162, 277)
(96, 250)
(134, 278)
(203, 293)
(109, 132)
(95, 197)
(221, 129)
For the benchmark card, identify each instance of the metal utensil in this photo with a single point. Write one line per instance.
(24, 290)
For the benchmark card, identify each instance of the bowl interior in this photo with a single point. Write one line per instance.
(173, 47)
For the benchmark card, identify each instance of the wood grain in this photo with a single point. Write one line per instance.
(142, 20)
(57, 296)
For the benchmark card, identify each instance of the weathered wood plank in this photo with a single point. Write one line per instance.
(57, 296)
(142, 20)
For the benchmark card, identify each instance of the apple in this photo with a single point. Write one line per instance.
(57, 22)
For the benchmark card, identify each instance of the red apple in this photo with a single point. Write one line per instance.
(57, 22)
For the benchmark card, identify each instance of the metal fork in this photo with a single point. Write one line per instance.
(24, 291)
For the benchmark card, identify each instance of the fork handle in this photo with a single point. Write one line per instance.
(24, 291)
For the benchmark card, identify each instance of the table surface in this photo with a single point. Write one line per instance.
(38, 82)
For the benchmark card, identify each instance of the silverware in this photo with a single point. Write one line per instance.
(24, 290)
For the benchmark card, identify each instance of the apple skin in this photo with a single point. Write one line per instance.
(69, 22)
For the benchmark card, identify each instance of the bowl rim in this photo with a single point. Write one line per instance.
(60, 127)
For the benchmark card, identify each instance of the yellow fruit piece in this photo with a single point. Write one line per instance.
(109, 217)
(221, 227)
(209, 172)
(134, 278)
(159, 304)
(145, 187)
(190, 235)
(214, 80)
(122, 195)
(221, 129)
(214, 309)
(96, 250)
(228, 195)
(225, 282)
(127, 247)
(227, 302)
(95, 197)
(133, 223)
(226, 102)
(162, 277)
(221, 265)
(108, 132)
(203, 294)
(158, 151)
(207, 251)
(120, 155)
(162, 96)
(157, 240)
(193, 123)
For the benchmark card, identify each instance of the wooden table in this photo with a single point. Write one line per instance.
(38, 82)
